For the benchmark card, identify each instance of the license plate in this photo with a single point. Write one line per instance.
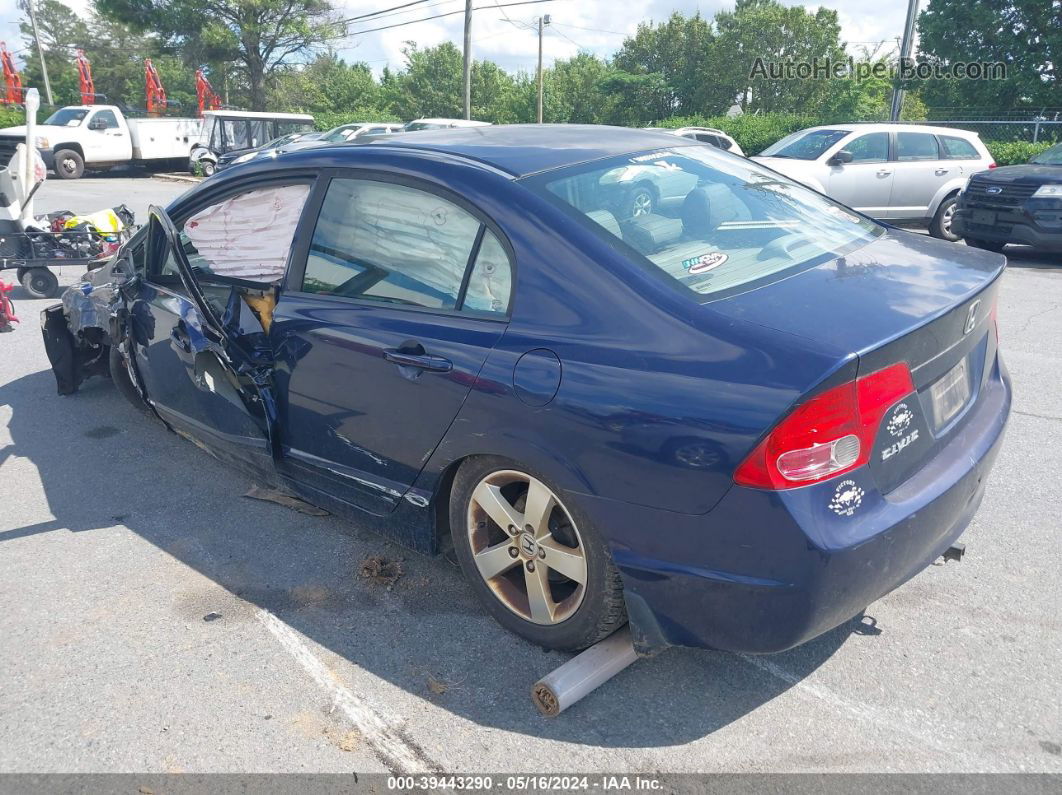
(950, 393)
(983, 217)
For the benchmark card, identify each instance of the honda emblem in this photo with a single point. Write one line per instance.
(971, 317)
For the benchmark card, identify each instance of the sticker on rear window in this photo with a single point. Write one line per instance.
(705, 262)
(847, 498)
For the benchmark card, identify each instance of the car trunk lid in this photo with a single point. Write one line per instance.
(903, 298)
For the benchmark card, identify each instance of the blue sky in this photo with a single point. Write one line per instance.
(505, 35)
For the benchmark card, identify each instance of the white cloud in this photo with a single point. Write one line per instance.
(595, 25)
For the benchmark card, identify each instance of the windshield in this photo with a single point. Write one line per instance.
(341, 133)
(708, 221)
(67, 117)
(804, 145)
(1049, 157)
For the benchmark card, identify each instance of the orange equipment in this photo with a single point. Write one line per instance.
(84, 76)
(13, 91)
(204, 92)
(156, 94)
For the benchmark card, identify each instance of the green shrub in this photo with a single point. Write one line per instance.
(754, 133)
(10, 117)
(1010, 153)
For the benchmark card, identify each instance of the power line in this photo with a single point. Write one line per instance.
(392, 13)
(385, 10)
(448, 14)
(594, 30)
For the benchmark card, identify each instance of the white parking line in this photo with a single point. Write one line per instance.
(397, 752)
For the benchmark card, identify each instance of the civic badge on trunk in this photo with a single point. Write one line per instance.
(971, 317)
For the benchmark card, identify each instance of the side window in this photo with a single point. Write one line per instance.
(395, 244)
(236, 134)
(247, 236)
(956, 148)
(916, 146)
(872, 148)
(490, 283)
(110, 122)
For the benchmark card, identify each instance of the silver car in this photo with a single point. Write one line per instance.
(900, 173)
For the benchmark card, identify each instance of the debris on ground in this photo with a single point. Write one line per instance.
(381, 571)
(287, 500)
(437, 686)
(344, 741)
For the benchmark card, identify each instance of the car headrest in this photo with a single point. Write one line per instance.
(705, 208)
(606, 219)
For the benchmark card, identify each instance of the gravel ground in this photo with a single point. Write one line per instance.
(158, 621)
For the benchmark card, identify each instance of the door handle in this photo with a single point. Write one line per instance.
(422, 361)
(940, 171)
(884, 172)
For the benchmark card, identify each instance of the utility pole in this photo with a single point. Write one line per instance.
(905, 53)
(40, 51)
(468, 59)
(542, 22)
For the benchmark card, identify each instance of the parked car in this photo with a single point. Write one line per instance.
(900, 173)
(347, 132)
(1014, 204)
(277, 144)
(80, 137)
(735, 425)
(707, 135)
(442, 124)
(239, 131)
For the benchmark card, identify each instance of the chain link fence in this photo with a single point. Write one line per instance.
(1042, 125)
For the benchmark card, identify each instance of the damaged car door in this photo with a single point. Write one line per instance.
(198, 327)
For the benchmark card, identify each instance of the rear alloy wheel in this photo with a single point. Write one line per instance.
(940, 226)
(640, 203)
(987, 245)
(536, 564)
(39, 282)
(69, 164)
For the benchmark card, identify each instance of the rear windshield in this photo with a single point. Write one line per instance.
(709, 222)
(804, 145)
(1049, 157)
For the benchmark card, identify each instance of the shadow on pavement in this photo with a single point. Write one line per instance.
(102, 463)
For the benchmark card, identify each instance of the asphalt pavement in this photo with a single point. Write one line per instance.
(156, 620)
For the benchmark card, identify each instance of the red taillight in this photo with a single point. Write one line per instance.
(828, 435)
(992, 164)
(994, 317)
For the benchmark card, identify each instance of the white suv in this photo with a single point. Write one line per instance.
(900, 173)
(707, 135)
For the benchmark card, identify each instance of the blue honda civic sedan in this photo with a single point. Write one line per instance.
(627, 377)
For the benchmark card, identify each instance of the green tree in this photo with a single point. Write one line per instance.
(772, 32)
(260, 37)
(431, 84)
(62, 32)
(1025, 35)
(576, 82)
(327, 85)
(682, 52)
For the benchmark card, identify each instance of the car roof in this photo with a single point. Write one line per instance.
(523, 149)
(899, 126)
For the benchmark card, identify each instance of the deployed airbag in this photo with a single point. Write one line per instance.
(248, 236)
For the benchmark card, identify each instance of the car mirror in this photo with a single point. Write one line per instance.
(842, 157)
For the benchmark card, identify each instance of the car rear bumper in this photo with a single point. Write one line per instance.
(1010, 227)
(765, 571)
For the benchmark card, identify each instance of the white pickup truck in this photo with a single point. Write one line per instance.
(80, 137)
